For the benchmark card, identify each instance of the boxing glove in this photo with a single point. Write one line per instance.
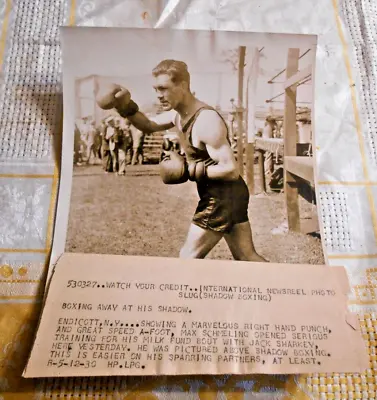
(106, 96)
(173, 168)
(198, 169)
(168, 144)
(115, 96)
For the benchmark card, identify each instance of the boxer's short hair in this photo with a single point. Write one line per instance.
(177, 70)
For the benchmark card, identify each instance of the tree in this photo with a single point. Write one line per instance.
(231, 57)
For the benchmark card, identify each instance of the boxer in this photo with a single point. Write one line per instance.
(222, 210)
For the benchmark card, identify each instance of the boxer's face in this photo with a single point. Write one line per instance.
(169, 94)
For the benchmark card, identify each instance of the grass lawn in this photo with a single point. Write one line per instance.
(138, 215)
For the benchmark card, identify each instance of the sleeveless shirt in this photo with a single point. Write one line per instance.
(193, 153)
(209, 188)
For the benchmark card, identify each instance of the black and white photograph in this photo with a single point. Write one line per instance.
(190, 144)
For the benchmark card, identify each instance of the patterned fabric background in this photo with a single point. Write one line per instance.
(30, 127)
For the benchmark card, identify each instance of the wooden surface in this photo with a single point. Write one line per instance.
(240, 127)
(303, 167)
(153, 146)
(250, 123)
(261, 170)
(250, 151)
(290, 141)
(273, 145)
(298, 77)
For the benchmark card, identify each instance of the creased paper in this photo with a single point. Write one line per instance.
(116, 315)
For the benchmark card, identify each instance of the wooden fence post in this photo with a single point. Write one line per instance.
(290, 142)
(78, 110)
(251, 92)
(240, 112)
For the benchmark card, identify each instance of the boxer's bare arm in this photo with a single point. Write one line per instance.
(210, 130)
(144, 124)
(118, 97)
